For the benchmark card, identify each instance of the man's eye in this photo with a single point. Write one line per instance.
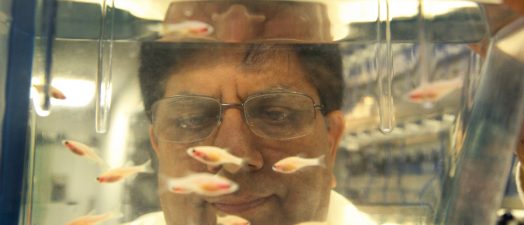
(192, 122)
(275, 114)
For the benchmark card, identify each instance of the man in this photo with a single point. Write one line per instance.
(282, 76)
(262, 102)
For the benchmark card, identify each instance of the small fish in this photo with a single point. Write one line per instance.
(94, 219)
(54, 92)
(84, 151)
(294, 163)
(202, 184)
(214, 156)
(434, 91)
(189, 27)
(118, 174)
(231, 220)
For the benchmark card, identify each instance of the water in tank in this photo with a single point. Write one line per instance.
(334, 112)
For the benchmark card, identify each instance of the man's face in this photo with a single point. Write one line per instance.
(264, 196)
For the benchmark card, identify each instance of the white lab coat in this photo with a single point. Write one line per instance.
(341, 212)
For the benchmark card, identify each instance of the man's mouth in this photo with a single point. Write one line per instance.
(238, 206)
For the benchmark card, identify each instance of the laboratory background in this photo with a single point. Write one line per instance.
(431, 128)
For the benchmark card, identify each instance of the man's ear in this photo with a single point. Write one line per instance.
(153, 140)
(333, 180)
(336, 124)
(520, 145)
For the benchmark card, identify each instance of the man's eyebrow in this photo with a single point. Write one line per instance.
(277, 88)
(182, 93)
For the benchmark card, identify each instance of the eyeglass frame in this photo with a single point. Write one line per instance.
(240, 106)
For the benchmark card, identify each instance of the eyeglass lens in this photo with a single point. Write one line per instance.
(192, 118)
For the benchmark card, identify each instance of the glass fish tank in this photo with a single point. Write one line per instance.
(229, 112)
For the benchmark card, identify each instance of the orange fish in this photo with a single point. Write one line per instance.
(202, 184)
(118, 174)
(94, 219)
(295, 163)
(84, 151)
(214, 156)
(232, 220)
(54, 92)
(433, 92)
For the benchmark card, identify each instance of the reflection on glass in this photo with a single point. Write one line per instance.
(250, 111)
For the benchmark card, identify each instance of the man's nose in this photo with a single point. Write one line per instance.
(237, 24)
(234, 135)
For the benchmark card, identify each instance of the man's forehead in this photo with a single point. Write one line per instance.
(274, 88)
(248, 57)
(256, 75)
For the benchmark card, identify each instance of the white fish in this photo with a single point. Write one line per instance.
(294, 163)
(84, 151)
(118, 174)
(232, 220)
(94, 219)
(434, 91)
(185, 28)
(203, 184)
(214, 156)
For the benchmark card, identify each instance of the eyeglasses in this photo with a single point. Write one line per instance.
(190, 118)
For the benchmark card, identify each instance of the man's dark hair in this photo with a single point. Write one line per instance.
(321, 62)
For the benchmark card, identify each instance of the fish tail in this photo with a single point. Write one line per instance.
(162, 189)
(114, 214)
(147, 167)
(103, 164)
(240, 162)
(321, 161)
(233, 168)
